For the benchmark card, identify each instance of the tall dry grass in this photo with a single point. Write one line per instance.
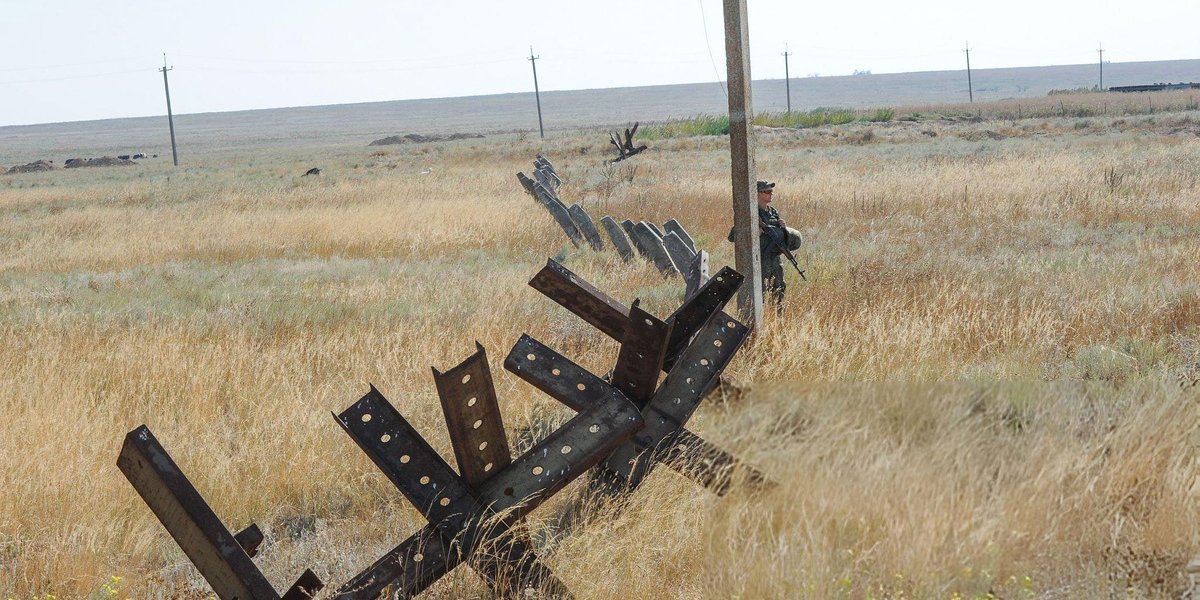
(977, 392)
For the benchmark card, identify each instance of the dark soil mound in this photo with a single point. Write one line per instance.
(103, 161)
(33, 167)
(416, 138)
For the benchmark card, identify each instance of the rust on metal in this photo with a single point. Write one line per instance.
(219, 555)
(640, 360)
(699, 309)
(695, 373)
(250, 539)
(475, 520)
(699, 320)
(473, 418)
(600, 310)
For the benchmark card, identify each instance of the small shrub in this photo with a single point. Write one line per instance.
(882, 115)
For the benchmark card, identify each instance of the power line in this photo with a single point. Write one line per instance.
(708, 46)
(93, 75)
(64, 66)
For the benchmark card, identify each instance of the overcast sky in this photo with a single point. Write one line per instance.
(69, 60)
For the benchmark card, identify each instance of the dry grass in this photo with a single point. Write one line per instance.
(978, 392)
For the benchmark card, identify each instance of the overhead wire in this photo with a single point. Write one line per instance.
(708, 46)
(89, 76)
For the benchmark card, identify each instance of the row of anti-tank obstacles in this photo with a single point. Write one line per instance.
(627, 423)
(673, 252)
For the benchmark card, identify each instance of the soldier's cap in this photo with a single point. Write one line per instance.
(766, 185)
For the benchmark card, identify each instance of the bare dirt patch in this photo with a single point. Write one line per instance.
(416, 138)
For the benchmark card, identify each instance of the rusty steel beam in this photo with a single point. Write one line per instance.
(603, 312)
(474, 521)
(473, 418)
(695, 372)
(639, 362)
(600, 310)
(222, 558)
(703, 306)
(431, 486)
(689, 454)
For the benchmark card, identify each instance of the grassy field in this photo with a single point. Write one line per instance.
(986, 389)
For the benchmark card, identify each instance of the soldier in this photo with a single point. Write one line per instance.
(774, 235)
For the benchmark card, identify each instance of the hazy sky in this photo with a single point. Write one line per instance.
(68, 60)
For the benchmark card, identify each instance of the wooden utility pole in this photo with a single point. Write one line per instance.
(170, 117)
(787, 78)
(970, 89)
(537, 94)
(1101, 51)
(741, 150)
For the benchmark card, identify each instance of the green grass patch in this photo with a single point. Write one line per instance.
(719, 125)
(695, 126)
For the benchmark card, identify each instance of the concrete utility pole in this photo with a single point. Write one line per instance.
(787, 78)
(741, 150)
(1101, 51)
(537, 94)
(970, 89)
(170, 117)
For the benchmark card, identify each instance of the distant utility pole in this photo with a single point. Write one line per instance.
(537, 94)
(787, 78)
(1101, 51)
(970, 89)
(747, 259)
(170, 117)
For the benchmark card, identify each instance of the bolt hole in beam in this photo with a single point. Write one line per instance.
(385, 438)
(466, 378)
(473, 417)
(366, 418)
(538, 470)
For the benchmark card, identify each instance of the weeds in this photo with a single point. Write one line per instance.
(974, 393)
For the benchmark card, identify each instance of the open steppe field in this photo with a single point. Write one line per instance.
(986, 389)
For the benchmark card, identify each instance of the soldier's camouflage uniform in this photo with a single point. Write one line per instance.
(772, 256)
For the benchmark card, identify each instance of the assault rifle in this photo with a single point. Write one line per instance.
(782, 248)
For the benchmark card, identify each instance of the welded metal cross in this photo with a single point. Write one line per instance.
(471, 514)
(222, 558)
(693, 345)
